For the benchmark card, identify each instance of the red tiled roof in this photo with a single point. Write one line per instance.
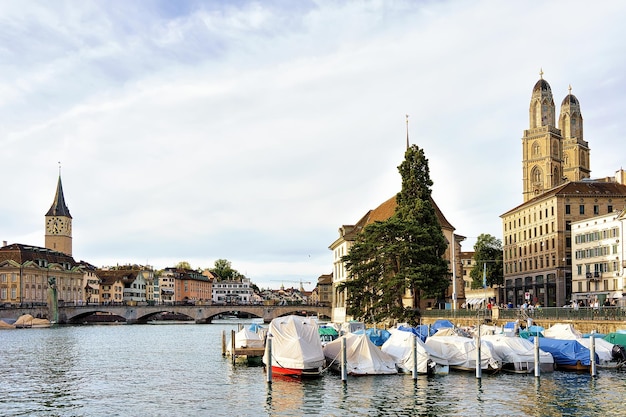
(388, 208)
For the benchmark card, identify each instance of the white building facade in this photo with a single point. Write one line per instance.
(232, 292)
(598, 263)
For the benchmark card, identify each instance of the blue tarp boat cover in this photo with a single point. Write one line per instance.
(377, 336)
(420, 331)
(565, 352)
(440, 324)
(255, 327)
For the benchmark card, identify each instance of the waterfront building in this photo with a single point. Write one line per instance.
(167, 286)
(314, 297)
(557, 190)
(325, 289)
(474, 297)
(598, 261)
(27, 272)
(190, 286)
(111, 286)
(232, 291)
(347, 235)
(91, 283)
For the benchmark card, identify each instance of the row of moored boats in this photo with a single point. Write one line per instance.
(300, 347)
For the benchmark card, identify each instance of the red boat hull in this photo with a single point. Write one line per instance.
(295, 373)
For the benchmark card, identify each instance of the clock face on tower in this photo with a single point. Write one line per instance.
(57, 225)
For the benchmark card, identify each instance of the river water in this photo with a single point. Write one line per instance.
(178, 370)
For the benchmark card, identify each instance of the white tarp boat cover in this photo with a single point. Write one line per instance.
(296, 343)
(363, 357)
(516, 349)
(246, 338)
(562, 331)
(603, 348)
(400, 347)
(461, 352)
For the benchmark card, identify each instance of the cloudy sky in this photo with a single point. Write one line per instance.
(252, 130)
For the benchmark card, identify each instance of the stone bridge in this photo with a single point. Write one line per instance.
(142, 314)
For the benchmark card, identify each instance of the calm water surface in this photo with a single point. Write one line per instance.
(178, 370)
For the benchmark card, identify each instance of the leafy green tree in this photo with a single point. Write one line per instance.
(488, 258)
(400, 260)
(183, 265)
(224, 272)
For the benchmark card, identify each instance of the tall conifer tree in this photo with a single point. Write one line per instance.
(393, 263)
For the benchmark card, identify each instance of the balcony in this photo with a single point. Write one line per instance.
(594, 276)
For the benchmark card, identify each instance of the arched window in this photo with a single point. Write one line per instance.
(536, 175)
(536, 149)
(555, 177)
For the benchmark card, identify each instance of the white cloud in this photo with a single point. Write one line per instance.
(251, 132)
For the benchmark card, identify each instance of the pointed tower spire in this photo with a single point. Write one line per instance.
(58, 207)
(407, 131)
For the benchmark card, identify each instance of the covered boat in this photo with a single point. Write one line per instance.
(609, 356)
(296, 347)
(5, 325)
(362, 356)
(518, 354)
(617, 338)
(246, 347)
(400, 347)
(564, 331)
(461, 353)
(28, 321)
(246, 338)
(327, 334)
(569, 355)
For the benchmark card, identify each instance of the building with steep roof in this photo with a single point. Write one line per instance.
(557, 190)
(347, 235)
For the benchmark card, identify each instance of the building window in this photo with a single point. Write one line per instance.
(567, 209)
(596, 209)
(609, 209)
(581, 209)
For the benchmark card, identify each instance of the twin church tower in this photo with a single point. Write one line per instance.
(551, 155)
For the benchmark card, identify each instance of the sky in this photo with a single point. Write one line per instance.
(252, 131)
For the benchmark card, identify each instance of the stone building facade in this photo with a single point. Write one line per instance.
(557, 191)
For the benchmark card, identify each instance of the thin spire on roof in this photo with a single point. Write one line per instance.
(570, 89)
(407, 131)
(541, 73)
(58, 207)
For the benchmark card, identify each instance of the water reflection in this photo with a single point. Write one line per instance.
(179, 371)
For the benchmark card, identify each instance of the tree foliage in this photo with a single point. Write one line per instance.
(396, 262)
(488, 259)
(183, 265)
(224, 272)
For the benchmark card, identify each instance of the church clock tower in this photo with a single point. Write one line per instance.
(59, 224)
(542, 144)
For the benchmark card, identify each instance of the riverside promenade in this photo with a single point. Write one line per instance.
(585, 319)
